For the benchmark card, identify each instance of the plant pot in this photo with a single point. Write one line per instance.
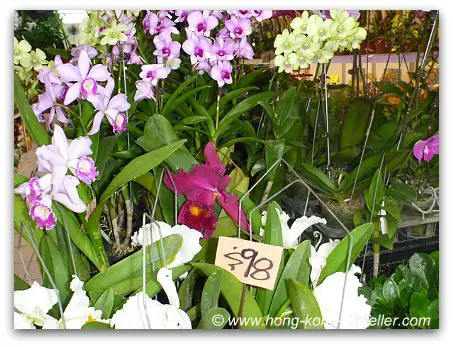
(344, 211)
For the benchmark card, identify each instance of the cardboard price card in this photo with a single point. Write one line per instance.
(252, 263)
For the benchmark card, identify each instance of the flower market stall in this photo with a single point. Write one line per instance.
(226, 169)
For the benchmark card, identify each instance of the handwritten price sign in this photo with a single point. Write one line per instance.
(252, 263)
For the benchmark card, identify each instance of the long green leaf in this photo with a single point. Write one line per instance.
(297, 267)
(214, 318)
(131, 267)
(34, 127)
(177, 92)
(232, 292)
(304, 305)
(211, 291)
(336, 260)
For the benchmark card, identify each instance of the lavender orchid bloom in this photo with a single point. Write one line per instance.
(154, 73)
(151, 23)
(199, 49)
(85, 76)
(425, 150)
(165, 47)
(204, 185)
(221, 72)
(244, 49)
(201, 23)
(109, 107)
(62, 155)
(49, 101)
(242, 13)
(91, 52)
(261, 15)
(222, 50)
(145, 90)
(181, 15)
(238, 27)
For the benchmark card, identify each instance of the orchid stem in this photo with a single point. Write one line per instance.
(217, 109)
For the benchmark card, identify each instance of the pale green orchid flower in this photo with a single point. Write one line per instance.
(21, 50)
(299, 24)
(114, 34)
(284, 42)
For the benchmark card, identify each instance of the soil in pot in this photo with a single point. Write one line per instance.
(344, 212)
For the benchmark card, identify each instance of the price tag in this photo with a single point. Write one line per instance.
(252, 263)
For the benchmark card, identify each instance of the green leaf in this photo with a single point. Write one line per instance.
(19, 283)
(336, 260)
(274, 150)
(353, 129)
(304, 304)
(422, 266)
(232, 292)
(227, 98)
(402, 192)
(211, 292)
(419, 305)
(105, 303)
(159, 132)
(34, 127)
(390, 292)
(186, 289)
(177, 92)
(297, 267)
(170, 107)
(121, 273)
(375, 193)
(214, 318)
(240, 109)
(96, 326)
(273, 230)
(318, 179)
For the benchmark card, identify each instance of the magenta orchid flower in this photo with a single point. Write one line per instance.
(86, 78)
(145, 90)
(261, 15)
(201, 23)
(154, 73)
(111, 108)
(238, 27)
(50, 101)
(181, 15)
(221, 72)
(62, 155)
(202, 186)
(425, 150)
(199, 48)
(165, 47)
(222, 50)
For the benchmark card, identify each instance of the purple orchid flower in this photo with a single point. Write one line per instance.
(62, 155)
(425, 150)
(165, 47)
(222, 50)
(221, 72)
(202, 186)
(181, 15)
(238, 27)
(145, 90)
(244, 49)
(91, 52)
(111, 108)
(199, 48)
(151, 23)
(261, 15)
(201, 23)
(242, 13)
(49, 101)
(154, 73)
(166, 27)
(85, 76)
(218, 14)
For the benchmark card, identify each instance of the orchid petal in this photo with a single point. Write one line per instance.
(419, 147)
(96, 123)
(60, 141)
(68, 73)
(99, 73)
(231, 206)
(212, 159)
(119, 102)
(72, 93)
(79, 147)
(83, 64)
(164, 277)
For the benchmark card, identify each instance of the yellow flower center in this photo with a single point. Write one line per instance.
(90, 319)
(195, 210)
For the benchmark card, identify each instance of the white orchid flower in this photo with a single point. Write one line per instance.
(291, 234)
(141, 312)
(32, 305)
(355, 313)
(284, 42)
(190, 245)
(77, 312)
(299, 24)
(318, 260)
